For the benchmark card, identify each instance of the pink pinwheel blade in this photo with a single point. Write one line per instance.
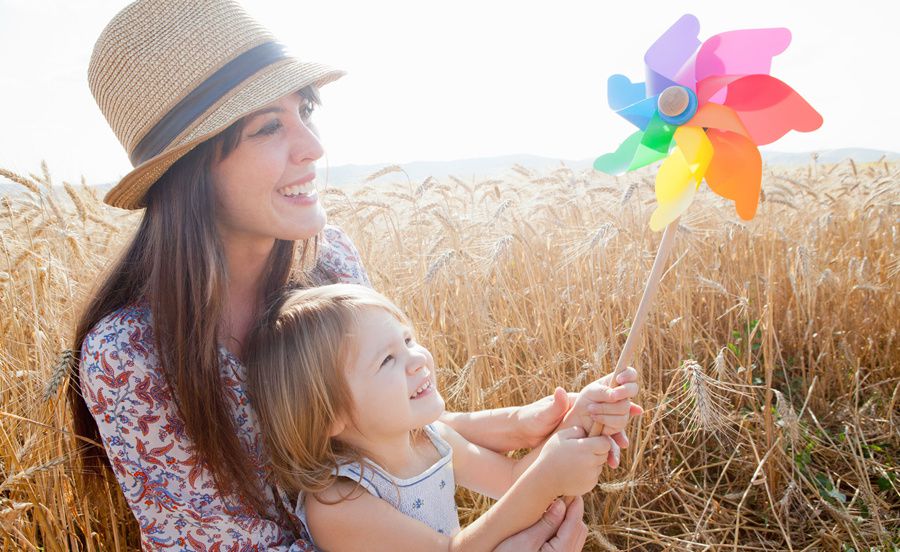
(735, 172)
(671, 51)
(746, 52)
(767, 107)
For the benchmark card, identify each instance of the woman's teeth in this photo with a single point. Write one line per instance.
(307, 189)
(422, 388)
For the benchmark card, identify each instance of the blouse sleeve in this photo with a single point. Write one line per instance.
(339, 259)
(167, 487)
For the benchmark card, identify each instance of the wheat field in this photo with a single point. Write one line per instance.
(770, 366)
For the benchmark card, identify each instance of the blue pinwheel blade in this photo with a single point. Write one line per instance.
(641, 113)
(622, 92)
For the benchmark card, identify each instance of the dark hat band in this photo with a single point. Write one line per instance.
(203, 97)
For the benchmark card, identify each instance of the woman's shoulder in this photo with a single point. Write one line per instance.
(125, 334)
(339, 258)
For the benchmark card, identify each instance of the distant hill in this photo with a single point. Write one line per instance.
(487, 167)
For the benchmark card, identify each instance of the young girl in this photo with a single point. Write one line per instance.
(348, 407)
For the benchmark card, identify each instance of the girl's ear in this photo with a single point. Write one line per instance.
(337, 428)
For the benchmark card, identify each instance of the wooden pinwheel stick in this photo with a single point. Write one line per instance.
(665, 246)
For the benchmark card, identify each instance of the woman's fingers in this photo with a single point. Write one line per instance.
(572, 532)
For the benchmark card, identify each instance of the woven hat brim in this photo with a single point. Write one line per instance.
(261, 89)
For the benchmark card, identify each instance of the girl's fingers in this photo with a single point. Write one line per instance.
(611, 423)
(617, 408)
(621, 439)
(627, 376)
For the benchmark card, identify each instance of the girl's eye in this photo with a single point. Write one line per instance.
(386, 360)
(269, 129)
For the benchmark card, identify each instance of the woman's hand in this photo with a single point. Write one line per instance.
(560, 529)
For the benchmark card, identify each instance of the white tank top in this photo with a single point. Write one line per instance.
(427, 497)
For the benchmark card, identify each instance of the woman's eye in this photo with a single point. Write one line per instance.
(269, 129)
(386, 360)
(306, 110)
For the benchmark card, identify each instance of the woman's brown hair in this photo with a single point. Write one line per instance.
(175, 262)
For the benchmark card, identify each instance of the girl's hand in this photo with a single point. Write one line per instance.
(536, 421)
(610, 406)
(570, 462)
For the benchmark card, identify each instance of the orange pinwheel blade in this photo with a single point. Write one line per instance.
(735, 171)
(680, 175)
(767, 107)
(712, 115)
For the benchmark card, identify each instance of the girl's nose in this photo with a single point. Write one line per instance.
(416, 362)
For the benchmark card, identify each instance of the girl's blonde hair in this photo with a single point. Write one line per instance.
(296, 362)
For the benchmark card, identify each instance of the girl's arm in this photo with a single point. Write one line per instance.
(512, 428)
(569, 464)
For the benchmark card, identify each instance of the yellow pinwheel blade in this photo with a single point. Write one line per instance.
(680, 175)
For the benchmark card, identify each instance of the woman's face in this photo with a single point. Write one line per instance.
(264, 188)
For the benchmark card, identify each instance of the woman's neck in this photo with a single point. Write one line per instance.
(246, 262)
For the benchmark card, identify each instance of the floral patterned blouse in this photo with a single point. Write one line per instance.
(169, 490)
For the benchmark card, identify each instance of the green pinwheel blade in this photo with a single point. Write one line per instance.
(620, 160)
(655, 143)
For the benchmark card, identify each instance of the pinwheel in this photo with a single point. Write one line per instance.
(703, 110)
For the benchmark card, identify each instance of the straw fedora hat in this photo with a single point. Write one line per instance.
(169, 74)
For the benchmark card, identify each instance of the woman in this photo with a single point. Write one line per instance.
(215, 118)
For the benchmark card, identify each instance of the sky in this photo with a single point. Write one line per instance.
(437, 81)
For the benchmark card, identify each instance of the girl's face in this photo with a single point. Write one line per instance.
(264, 188)
(392, 378)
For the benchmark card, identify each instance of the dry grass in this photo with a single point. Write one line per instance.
(769, 363)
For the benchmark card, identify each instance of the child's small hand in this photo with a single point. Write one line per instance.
(570, 462)
(610, 406)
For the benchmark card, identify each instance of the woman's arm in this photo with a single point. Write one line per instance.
(170, 493)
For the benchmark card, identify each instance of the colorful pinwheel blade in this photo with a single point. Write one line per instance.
(658, 135)
(735, 171)
(745, 52)
(619, 161)
(639, 114)
(667, 57)
(767, 107)
(680, 175)
(621, 92)
(718, 116)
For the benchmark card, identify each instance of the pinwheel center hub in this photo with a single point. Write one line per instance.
(673, 101)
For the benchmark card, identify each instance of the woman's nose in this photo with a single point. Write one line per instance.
(305, 144)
